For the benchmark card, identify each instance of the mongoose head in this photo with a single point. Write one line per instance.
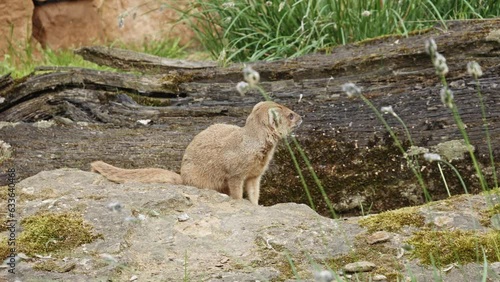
(277, 119)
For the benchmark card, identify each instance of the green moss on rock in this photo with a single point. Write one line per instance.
(379, 254)
(393, 221)
(488, 213)
(52, 232)
(463, 246)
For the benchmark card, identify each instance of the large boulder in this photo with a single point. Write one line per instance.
(67, 24)
(136, 21)
(157, 232)
(15, 24)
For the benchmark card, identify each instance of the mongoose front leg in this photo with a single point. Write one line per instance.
(235, 188)
(253, 189)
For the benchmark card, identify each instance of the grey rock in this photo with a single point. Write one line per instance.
(359, 266)
(379, 277)
(183, 217)
(378, 237)
(223, 240)
(44, 124)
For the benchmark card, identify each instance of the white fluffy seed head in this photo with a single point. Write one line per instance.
(474, 69)
(430, 46)
(431, 157)
(439, 62)
(446, 97)
(251, 76)
(351, 89)
(387, 110)
(242, 88)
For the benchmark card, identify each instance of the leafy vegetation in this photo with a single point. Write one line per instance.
(51, 232)
(255, 30)
(463, 246)
(23, 61)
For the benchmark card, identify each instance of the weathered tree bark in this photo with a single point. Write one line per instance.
(349, 147)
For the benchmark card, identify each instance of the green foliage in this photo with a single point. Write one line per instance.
(249, 30)
(444, 247)
(393, 221)
(22, 63)
(49, 232)
(22, 60)
(160, 48)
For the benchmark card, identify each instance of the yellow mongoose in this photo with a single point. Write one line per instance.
(223, 157)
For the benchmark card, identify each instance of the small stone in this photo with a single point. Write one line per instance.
(63, 120)
(153, 213)
(115, 207)
(378, 237)
(23, 256)
(359, 266)
(379, 277)
(323, 276)
(43, 124)
(183, 217)
(82, 123)
(133, 278)
(144, 121)
(442, 220)
(5, 151)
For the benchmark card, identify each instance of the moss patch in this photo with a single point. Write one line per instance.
(52, 232)
(393, 221)
(278, 259)
(44, 194)
(462, 246)
(150, 101)
(4, 248)
(53, 266)
(379, 254)
(487, 214)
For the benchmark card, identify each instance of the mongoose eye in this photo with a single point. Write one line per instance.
(291, 116)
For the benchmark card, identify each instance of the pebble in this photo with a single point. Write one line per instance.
(378, 237)
(183, 217)
(379, 277)
(359, 266)
(43, 124)
(115, 207)
(133, 278)
(63, 120)
(323, 276)
(442, 220)
(144, 121)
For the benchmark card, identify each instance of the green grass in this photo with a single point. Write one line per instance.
(22, 61)
(256, 30)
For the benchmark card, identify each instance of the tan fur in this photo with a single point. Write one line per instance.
(142, 175)
(225, 158)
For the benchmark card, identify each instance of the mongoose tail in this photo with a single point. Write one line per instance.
(142, 175)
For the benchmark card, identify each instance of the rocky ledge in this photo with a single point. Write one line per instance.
(153, 232)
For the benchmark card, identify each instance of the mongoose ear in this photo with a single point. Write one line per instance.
(274, 117)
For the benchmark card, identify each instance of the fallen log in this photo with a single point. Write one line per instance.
(349, 148)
